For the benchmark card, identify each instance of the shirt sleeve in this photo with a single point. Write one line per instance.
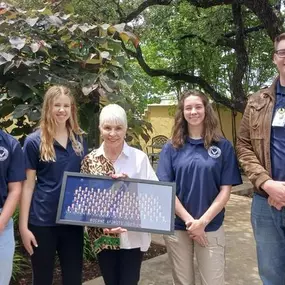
(230, 169)
(165, 170)
(150, 174)
(31, 153)
(16, 171)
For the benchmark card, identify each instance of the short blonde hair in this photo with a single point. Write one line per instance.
(114, 114)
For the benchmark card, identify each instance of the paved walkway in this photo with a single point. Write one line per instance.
(241, 268)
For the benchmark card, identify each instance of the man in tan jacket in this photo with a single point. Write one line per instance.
(261, 152)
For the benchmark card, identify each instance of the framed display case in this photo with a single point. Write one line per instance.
(133, 204)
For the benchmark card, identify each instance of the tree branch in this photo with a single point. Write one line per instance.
(246, 31)
(220, 42)
(119, 10)
(261, 8)
(142, 7)
(267, 16)
(209, 3)
(239, 71)
(179, 76)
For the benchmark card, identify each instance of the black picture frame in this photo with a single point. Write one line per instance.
(100, 201)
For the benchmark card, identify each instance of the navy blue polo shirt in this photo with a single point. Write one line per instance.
(49, 177)
(12, 166)
(198, 174)
(277, 141)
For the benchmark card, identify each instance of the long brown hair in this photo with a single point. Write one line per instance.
(48, 124)
(211, 130)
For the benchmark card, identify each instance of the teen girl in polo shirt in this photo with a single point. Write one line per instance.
(204, 166)
(12, 173)
(57, 146)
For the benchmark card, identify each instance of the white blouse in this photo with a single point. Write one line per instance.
(135, 164)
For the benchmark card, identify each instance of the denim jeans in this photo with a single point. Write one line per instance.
(269, 231)
(7, 248)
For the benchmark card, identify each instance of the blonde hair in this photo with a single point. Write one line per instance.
(48, 124)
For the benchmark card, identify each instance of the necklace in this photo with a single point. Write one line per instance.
(113, 159)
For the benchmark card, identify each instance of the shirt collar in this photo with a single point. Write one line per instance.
(280, 90)
(125, 150)
(194, 141)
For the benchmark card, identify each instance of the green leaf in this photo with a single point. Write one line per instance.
(120, 59)
(3, 97)
(20, 111)
(6, 109)
(19, 90)
(68, 8)
(7, 56)
(129, 80)
(6, 123)
(54, 20)
(89, 79)
(105, 84)
(105, 55)
(88, 89)
(8, 66)
(17, 42)
(32, 21)
(2, 61)
(34, 115)
(35, 47)
(17, 132)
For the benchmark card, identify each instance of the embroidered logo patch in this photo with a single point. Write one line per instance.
(3, 153)
(214, 151)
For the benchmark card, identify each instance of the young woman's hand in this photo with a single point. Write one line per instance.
(28, 240)
(196, 231)
(117, 230)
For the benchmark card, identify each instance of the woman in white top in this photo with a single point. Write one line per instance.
(119, 251)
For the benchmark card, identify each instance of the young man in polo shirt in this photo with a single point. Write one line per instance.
(12, 173)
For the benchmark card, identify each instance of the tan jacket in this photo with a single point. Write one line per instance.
(253, 142)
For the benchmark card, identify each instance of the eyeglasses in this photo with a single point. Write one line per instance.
(280, 53)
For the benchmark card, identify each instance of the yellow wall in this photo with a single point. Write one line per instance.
(226, 122)
(162, 119)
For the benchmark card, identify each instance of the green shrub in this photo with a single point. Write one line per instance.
(19, 263)
(88, 253)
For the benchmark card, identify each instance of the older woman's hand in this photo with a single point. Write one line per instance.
(196, 231)
(117, 230)
(119, 175)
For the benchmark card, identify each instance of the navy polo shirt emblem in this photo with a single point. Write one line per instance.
(214, 151)
(4, 153)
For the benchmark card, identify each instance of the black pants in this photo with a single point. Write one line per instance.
(67, 242)
(120, 267)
